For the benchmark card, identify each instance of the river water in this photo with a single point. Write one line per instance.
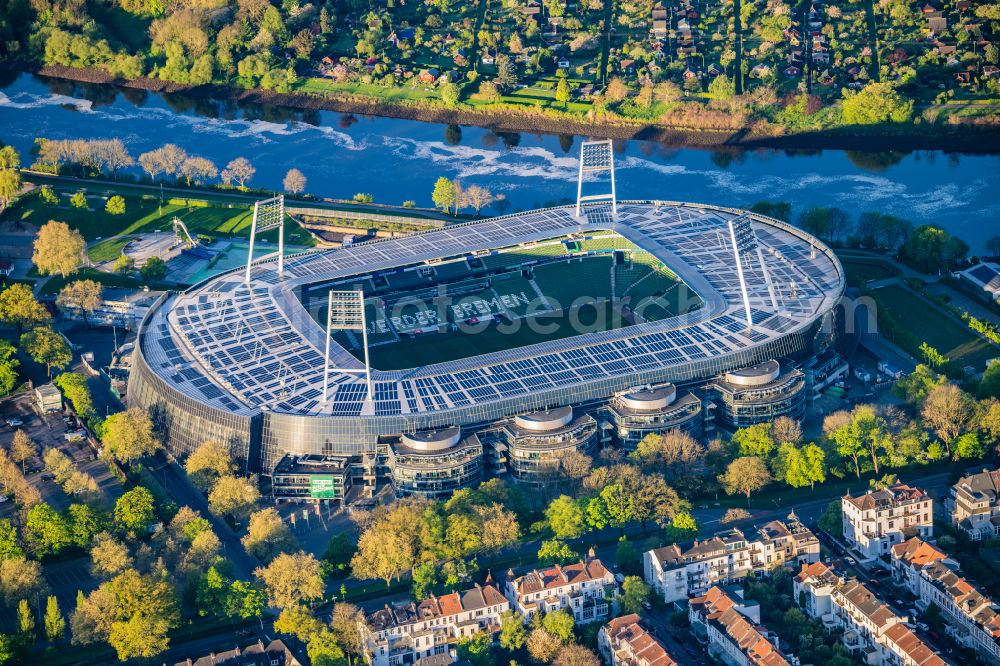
(398, 160)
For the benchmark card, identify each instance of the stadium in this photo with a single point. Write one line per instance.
(436, 359)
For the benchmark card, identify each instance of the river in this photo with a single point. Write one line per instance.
(399, 160)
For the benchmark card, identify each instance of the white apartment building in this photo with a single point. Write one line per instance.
(974, 504)
(871, 629)
(909, 557)
(585, 589)
(733, 631)
(879, 519)
(405, 633)
(973, 617)
(680, 570)
(625, 642)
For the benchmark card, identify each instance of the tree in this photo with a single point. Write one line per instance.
(25, 621)
(969, 446)
(562, 92)
(240, 171)
(19, 308)
(234, 496)
(294, 182)
(47, 347)
(543, 646)
(210, 461)
(916, 386)
(124, 265)
(346, 623)
(323, 649)
(634, 593)
(555, 551)
(8, 367)
(755, 440)
(20, 578)
(498, 527)
(82, 295)
(58, 249)
(682, 527)
(948, 411)
(576, 655)
(154, 269)
(785, 430)
(565, 516)
(129, 435)
(476, 649)
(745, 475)
(445, 194)
(135, 511)
(55, 623)
(298, 621)
(478, 197)
(512, 632)
(78, 200)
(832, 520)
(721, 87)
(292, 579)
(450, 94)
(109, 557)
(47, 531)
(268, 535)
(132, 612)
(9, 548)
(10, 187)
(931, 248)
(559, 623)
(198, 170)
(22, 448)
(807, 467)
(735, 515)
(619, 504)
(382, 554)
(874, 104)
(115, 205)
(74, 387)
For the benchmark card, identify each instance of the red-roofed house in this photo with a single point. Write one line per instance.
(405, 633)
(732, 628)
(624, 642)
(973, 617)
(909, 557)
(585, 589)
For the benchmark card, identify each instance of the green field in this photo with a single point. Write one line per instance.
(859, 271)
(143, 213)
(917, 321)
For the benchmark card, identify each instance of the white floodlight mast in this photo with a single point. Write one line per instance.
(739, 272)
(596, 156)
(268, 214)
(351, 317)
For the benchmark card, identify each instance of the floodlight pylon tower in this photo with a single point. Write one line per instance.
(744, 241)
(596, 157)
(345, 311)
(267, 215)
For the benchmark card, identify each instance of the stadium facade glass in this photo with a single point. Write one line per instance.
(243, 362)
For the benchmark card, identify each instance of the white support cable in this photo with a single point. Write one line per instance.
(767, 279)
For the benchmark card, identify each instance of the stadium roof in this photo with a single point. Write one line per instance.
(245, 347)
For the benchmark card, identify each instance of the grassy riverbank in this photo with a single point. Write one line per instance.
(531, 110)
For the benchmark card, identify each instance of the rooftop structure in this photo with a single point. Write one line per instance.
(973, 616)
(733, 630)
(973, 504)
(909, 557)
(275, 653)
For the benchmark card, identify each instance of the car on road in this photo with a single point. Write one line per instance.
(648, 606)
(620, 578)
(75, 435)
(850, 560)
(15, 422)
(923, 626)
(875, 581)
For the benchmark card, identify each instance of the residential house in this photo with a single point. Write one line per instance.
(879, 519)
(973, 617)
(275, 653)
(586, 589)
(429, 75)
(732, 628)
(682, 569)
(407, 632)
(909, 557)
(625, 642)
(868, 624)
(985, 276)
(974, 503)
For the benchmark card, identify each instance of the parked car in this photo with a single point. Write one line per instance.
(851, 561)
(75, 435)
(648, 606)
(620, 578)
(15, 422)
(875, 581)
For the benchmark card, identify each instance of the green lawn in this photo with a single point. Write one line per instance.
(56, 283)
(860, 271)
(409, 91)
(919, 322)
(143, 213)
(108, 249)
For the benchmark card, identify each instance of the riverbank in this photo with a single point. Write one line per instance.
(970, 138)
